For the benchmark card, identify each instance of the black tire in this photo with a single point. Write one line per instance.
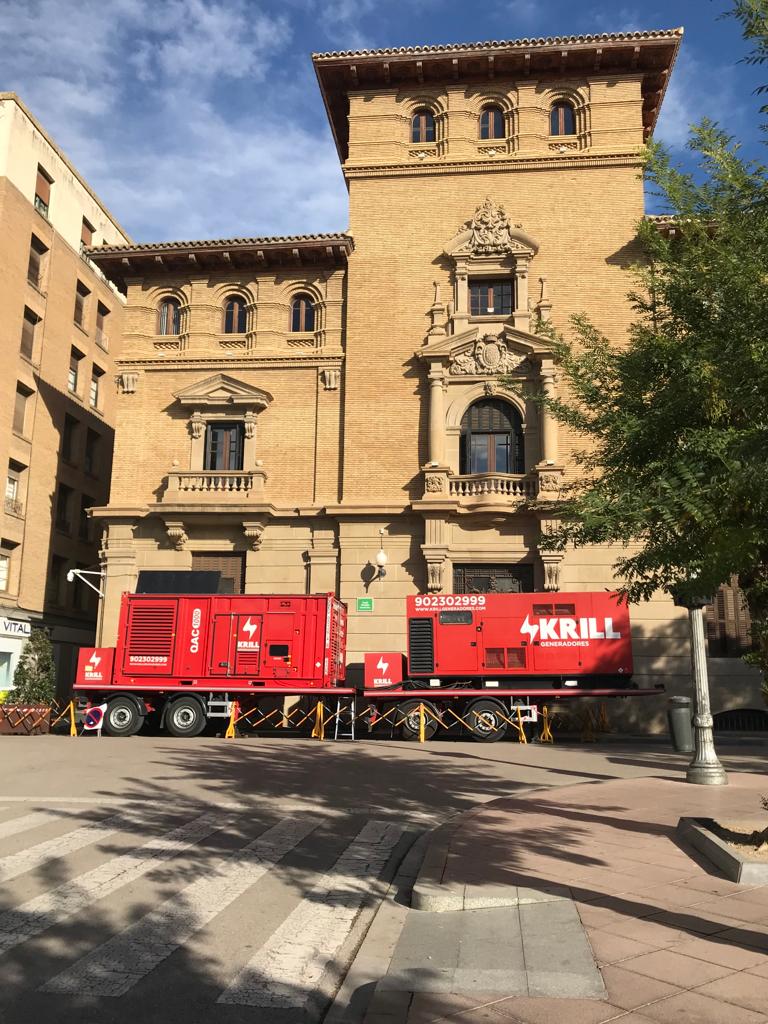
(122, 717)
(408, 711)
(185, 717)
(485, 722)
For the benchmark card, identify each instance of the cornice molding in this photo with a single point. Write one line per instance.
(213, 362)
(505, 164)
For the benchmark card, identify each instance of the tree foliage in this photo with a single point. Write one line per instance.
(34, 681)
(674, 464)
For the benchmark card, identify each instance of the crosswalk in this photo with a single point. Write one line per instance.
(105, 932)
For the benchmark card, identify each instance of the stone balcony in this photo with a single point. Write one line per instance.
(494, 485)
(215, 487)
(480, 491)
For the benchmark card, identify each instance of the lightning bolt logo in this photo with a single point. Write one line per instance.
(250, 628)
(94, 660)
(382, 665)
(530, 629)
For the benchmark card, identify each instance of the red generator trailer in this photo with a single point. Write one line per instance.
(478, 662)
(489, 660)
(188, 656)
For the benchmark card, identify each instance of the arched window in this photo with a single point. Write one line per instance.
(302, 314)
(492, 438)
(422, 126)
(492, 123)
(562, 120)
(169, 317)
(234, 315)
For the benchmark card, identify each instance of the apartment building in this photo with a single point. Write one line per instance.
(60, 325)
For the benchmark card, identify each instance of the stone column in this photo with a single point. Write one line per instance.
(436, 416)
(548, 422)
(118, 562)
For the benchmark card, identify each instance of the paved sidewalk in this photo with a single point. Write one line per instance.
(675, 941)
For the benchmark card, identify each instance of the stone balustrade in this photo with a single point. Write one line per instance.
(481, 485)
(216, 485)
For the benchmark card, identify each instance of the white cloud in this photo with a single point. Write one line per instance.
(696, 90)
(620, 19)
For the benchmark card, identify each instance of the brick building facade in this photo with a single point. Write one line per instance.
(287, 406)
(59, 335)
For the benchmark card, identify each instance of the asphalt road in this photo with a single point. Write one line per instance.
(157, 880)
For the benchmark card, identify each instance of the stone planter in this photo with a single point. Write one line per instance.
(24, 719)
(734, 863)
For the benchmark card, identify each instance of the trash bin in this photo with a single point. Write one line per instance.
(680, 724)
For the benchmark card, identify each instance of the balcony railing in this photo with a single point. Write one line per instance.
(212, 485)
(14, 507)
(481, 485)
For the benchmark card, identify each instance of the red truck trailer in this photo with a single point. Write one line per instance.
(184, 655)
(485, 660)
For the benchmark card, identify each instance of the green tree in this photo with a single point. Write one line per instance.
(674, 466)
(34, 681)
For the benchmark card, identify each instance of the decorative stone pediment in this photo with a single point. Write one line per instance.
(490, 233)
(475, 353)
(223, 392)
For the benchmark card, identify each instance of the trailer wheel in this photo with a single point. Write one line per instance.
(485, 722)
(408, 711)
(185, 717)
(122, 717)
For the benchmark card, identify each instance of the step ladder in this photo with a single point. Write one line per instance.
(344, 714)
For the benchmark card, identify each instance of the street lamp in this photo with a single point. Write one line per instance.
(381, 558)
(705, 768)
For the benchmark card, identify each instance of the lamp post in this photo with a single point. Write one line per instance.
(705, 769)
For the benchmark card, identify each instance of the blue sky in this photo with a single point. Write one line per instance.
(202, 118)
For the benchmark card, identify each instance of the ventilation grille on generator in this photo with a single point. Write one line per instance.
(421, 645)
(150, 631)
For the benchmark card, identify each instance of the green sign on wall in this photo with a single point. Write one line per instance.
(365, 604)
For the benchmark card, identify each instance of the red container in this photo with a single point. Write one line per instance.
(221, 642)
(500, 636)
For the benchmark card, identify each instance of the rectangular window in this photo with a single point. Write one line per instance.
(5, 570)
(224, 446)
(729, 626)
(101, 317)
(28, 325)
(13, 489)
(91, 461)
(36, 265)
(86, 235)
(20, 409)
(490, 298)
(73, 378)
(81, 296)
(500, 578)
(230, 565)
(84, 523)
(63, 508)
(96, 374)
(43, 191)
(69, 438)
(56, 580)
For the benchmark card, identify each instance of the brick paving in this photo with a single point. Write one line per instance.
(676, 942)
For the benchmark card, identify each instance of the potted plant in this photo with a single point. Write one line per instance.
(26, 709)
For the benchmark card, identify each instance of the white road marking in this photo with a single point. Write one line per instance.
(114, 967)
(17, 863)
(44, 911)
(26, 822)
(298, 952)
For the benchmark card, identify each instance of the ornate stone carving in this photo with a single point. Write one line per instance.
(177, 535)
(563, 147)
(331, 378)
(552, 574)
(490, 230)
(253, 534)
(434, 576)
(488, 355)
(489, 388)
(127, 381)
(434, 483)
(196, 425)
(249, 421)
(422, 154)
(549, 481)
